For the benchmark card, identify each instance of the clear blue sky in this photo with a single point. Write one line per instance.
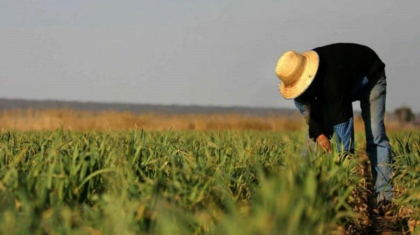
(219, 52)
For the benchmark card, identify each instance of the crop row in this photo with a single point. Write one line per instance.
(135, 182)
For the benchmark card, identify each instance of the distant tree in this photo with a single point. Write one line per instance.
(404, 115)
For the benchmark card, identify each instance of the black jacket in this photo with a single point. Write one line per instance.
(341, 65)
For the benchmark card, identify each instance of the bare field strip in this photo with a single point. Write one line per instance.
(35, 120)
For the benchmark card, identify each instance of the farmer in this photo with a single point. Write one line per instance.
(323, 83)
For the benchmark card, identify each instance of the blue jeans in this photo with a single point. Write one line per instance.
(372, 102)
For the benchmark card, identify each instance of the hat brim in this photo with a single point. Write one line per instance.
(306, 78)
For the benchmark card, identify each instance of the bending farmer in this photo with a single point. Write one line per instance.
(323, 83)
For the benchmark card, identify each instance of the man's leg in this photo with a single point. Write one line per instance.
(378, 149)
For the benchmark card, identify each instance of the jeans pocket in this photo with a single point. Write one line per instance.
(379, 90)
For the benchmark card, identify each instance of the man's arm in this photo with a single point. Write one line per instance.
(340, 115)
(316, 132)
(324, 142)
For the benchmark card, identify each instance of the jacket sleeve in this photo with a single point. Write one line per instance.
(315, 129)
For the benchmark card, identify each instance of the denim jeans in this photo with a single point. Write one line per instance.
(372, 102)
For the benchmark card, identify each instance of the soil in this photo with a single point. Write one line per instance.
(370, 222)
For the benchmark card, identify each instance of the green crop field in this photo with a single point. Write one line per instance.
(226, 182)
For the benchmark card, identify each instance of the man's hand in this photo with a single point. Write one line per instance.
(323, 141)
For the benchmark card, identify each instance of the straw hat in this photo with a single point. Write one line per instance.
(296, 71)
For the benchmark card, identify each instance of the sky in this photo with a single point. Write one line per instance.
(184, 52)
